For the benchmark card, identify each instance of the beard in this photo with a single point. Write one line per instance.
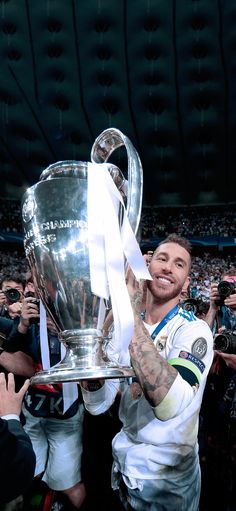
(163, 294)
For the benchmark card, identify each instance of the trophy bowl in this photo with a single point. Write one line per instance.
(55, 224)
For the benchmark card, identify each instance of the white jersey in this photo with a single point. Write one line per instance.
(146, 447)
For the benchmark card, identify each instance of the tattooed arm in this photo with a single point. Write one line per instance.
(162, 385)
(154, 373)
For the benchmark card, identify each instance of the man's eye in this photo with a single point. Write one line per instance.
(180, 265)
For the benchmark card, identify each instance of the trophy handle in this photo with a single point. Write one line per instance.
(103, 147)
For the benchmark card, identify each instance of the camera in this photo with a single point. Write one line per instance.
(12, 294)
(226, 342)
(33, 321)
(225, 289)
(190, 305)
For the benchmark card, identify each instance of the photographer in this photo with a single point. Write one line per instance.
(222, 310)
(56, 435)
(218, 431)
(11, 295)
(221, 315)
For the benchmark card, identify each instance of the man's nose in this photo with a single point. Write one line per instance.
(167, 266)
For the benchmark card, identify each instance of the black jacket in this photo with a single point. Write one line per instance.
(17, 460)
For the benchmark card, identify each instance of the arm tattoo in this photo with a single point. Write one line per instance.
(155, 375)
(136, 301)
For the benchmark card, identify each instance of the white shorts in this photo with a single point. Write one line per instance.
(58, 447)
(180, 492)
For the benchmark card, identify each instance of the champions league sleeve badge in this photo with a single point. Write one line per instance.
(199, 347)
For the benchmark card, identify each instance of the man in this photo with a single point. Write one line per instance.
(156, 463)
(18, 363)
(17, 455)
(224, 314)
(56, 436)
(221, 317)
(11, 307)
(218, 406)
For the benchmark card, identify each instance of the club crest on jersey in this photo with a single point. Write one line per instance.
(161, 342)
(199, 347)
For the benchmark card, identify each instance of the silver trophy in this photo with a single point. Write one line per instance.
(54, 213)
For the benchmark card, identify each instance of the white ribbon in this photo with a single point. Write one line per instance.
(69, 390)
(109, 245)
(43, 334)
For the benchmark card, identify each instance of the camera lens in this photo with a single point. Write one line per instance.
(190, 305)
(225, 342)
(221, 343)
(13, 295)
(225, 289)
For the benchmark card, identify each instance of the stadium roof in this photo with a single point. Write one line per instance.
(162, 72)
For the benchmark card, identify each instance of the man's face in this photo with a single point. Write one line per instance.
(229, 278)
(169, 269)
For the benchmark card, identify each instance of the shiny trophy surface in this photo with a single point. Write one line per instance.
(54, 214)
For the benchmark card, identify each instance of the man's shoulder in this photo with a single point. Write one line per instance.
(187, 316)
(187, 322)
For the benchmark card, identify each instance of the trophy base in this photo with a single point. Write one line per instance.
(85, 359)
(60, 374)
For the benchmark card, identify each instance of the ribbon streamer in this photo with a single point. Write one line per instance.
(69, 390)
(110, 246)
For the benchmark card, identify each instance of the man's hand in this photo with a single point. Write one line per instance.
(2, 298)
(229, 358)
(137, 292)
(29, 310)
(11, 401)
(92, 385)
(214, 296)
(14, 309)
(213, 309)
(230, 302)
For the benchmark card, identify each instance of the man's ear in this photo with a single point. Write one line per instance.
(188, 280)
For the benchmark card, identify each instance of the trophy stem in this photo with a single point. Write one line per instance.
(85, 359)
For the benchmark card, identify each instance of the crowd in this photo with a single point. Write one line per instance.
(155, 221)
(205, 269)
(129, 444)
(189, 221)
(10, 216)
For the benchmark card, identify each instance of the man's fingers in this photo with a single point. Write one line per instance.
(24, 388)
(2, 380)
(11, 382)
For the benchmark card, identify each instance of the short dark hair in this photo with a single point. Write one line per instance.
(229, 273)
(16, 277)
(175, 238)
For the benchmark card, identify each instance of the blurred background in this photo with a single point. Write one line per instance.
(161, 71)
(164, 73)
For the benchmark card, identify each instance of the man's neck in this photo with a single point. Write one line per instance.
(156, 310)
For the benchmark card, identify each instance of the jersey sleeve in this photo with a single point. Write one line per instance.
(192, 351)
